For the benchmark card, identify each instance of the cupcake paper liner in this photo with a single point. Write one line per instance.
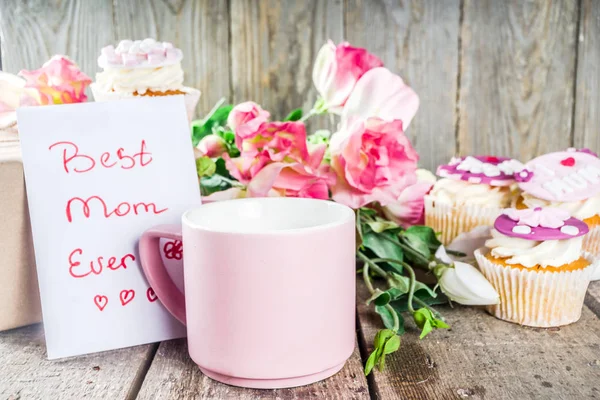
(533, 298)
(452, 220)
(191, 97)
(591, 241)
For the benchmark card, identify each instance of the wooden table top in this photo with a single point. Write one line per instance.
(479, 358)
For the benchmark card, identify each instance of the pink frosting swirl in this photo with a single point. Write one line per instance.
(147, 53)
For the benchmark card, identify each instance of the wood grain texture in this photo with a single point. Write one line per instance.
(273, 46)
(27, 374)
(517, 77)
(199, 27)
(587, 99)
(173, 375)
(482, 357)
(419, 41)
(34, 31)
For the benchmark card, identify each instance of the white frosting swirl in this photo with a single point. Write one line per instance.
(461, 192)
(529, 253)
(141, 79)
(139, 66)
(579, 209)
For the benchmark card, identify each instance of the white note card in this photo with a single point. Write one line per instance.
(97, 176)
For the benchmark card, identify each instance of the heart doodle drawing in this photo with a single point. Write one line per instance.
(100, 301)
(126, 296)
(151, 295)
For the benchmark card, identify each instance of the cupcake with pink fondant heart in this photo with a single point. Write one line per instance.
(570, 181)
(142, 68)
(473, 191)
(535, 261)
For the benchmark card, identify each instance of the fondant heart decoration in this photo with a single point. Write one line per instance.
(490, 170)
(565, 176)
(568, 162)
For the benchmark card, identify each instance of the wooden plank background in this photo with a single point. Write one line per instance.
(504, 77)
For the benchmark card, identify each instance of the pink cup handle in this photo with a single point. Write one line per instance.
(155, 271)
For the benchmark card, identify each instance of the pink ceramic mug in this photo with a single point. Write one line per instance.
(269, 288)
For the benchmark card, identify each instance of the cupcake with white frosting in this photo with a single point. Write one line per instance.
(536, 262)
(142, 68)
(473, 191)
(568, 180)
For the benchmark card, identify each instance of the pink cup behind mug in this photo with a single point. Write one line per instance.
(269, 288)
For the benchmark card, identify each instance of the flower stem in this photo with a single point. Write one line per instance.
(311, 113)
(411, 273)
(367, 278)
(214, 109)
(396, 325)
(376, 268)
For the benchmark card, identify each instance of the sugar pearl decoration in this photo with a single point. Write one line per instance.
(569, 230)
(522, 229)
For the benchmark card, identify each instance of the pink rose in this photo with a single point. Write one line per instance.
(336, 71)
(245, 167)
(212, 146)
(279, 141)
(373, 160)
(380, 93)
(245, 118)
(59, 81)
(267, 179)
(409, 208)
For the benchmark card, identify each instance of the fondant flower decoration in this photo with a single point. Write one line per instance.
(540, 224)
(524, 175)
(494, 171)
(534, 217)
(59, 81)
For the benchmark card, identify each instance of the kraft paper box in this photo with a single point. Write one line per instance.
(19, 296)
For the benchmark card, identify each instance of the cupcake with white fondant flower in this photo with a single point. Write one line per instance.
(536, 263)
(568, 180)
(142, 68)
(473, 191)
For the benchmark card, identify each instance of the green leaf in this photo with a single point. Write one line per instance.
(210, 185)
(202, 128)
(386, 317)
(295, 115)
(369, 212)
(383, 299)
(401, 304)
(381, 336)
(426, 234)
(380, 225)
(418, 244)
(439, 324)
(427, 328)
(205, 166)
(222, 169)
(383, 248)
(371, 362)
(391, 345)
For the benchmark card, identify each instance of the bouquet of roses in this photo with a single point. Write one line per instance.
(368, 164)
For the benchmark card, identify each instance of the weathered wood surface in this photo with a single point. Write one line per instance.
(273, 47)
(418, 40)
(587, 100)
(173, 375)
(25, 373)
(517, 77)
(482, 357)
(494, 76)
